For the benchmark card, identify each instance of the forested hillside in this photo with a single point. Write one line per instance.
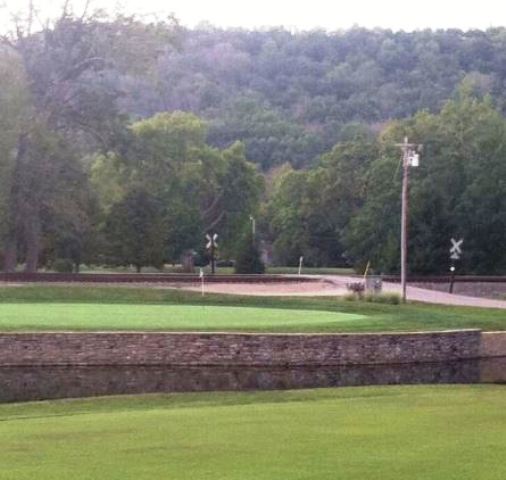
(290, 96)
(125, 143)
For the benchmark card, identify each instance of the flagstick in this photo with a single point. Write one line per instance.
(202, 280)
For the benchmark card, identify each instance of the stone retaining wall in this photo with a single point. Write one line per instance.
(23, 384)
(227, 349)
(493, 344)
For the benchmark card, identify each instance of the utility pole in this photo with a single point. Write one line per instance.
(410, 158)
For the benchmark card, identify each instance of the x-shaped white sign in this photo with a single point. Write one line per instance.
(455, 249)
(211, 241)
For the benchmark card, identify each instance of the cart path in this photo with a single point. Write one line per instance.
(430, 296)
(434, 296)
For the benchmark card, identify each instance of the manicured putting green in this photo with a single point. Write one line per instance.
(387, 433)
(86, 316)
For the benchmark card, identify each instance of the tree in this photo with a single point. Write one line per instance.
(242, 187)
(200, 188)
(247, 258)
(309, 212)
(70, 106)
(136, 231)
(458, 191)
(14, 113)
(286, 218)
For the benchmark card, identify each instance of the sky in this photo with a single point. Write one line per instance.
(329, 15)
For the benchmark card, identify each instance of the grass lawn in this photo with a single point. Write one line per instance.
(387, 433)
(41, 307)
(83, 316)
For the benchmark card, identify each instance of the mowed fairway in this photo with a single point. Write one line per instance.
(86, 316)
(387, 433)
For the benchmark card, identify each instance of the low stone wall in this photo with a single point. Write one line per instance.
(493, 344)
(223, 349)
(22, 384)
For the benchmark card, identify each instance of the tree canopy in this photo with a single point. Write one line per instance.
(349, 205)
(126, 142)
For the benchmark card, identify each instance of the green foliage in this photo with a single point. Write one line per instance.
(309, 211)
(136, 231)
(165, 147)
(70, 158)
(63, 265)
(242, 187)
(286, 218)
(248, 258)
(458, 191)
(289, 96)
(109, 178)
(387, 298)
(60, 100)
(270, 139)
(199, 188)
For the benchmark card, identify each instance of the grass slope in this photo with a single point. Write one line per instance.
(42, 307)
(388, 433)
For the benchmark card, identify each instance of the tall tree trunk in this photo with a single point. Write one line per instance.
(10, 255)
(32, 239)
(10, 246)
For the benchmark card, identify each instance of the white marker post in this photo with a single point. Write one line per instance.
(201, 275)
(301, 259)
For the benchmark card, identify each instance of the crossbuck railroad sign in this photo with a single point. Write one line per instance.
(211, 241)
(456, 250)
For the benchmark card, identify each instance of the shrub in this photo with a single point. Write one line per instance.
(387, 298)
(63, 265)
(248, 259)
(357, 288)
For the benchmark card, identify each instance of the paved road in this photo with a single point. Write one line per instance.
(434, 296)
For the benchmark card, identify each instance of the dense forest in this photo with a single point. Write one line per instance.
(124, 143)
(291, 96)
